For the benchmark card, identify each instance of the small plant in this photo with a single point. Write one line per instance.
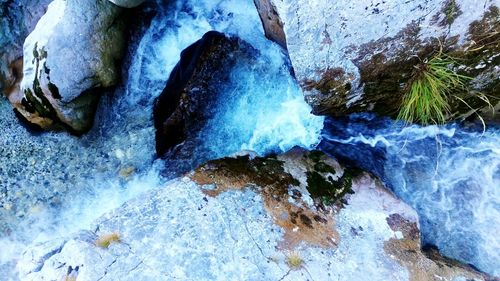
(451, 11)
(426, 99)
(294, 260)
(106, 239)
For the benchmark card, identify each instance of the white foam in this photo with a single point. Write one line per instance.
(84, 173)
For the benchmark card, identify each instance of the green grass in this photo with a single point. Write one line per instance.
(427, 98)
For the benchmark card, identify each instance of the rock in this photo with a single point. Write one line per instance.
(191, 93)
(127, 3)
(70, 57)
(361, 56)
(273, 26)
(242, 218)
(17, 20)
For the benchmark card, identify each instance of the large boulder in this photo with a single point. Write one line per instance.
(17, 20)
(70, 57)
(249, 218)
(193, 89)
(355, 56)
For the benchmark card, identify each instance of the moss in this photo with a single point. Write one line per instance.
(24, 102)
(329, 190)
(316, 155)
(319, 166)
(321, 184)
(334, 87)
(43, 53)
(324, 168)
(35, 51)
(35, 100)
(484, 36)
(54, 90)
(45, 68)
(451, 11)
(318, 186)
(261, 171)
(332, 80)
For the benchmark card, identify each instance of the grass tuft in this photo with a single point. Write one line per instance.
(426, 100)
(106, 239)
(294, 260)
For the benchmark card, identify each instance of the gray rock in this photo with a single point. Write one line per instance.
(127, 3)
(355, 56)
(244, 219)
(273, 26)
(70, 57)
(17, 20)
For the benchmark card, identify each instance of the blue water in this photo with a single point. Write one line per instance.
(449, 174)
(54, 184)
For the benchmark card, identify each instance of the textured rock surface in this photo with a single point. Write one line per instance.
(68, 59)
(221, 223)
(273, 26)
(358, 56)
(127, 3)
(17, 20)
(193, 89)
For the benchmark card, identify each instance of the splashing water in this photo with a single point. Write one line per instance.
(449, 174)
(54, 184)
(263, 108)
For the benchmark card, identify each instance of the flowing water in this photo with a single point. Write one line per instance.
(54, 184)
(449, 174)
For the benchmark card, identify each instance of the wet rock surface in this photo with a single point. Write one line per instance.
(273, 26)
(356, 57)
(194, 88)
(226, 220)
(55, 93)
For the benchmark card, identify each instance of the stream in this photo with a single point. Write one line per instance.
(54, 184)
(449, 174)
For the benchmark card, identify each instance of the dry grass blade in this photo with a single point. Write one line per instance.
(294, 260)
(106, 239)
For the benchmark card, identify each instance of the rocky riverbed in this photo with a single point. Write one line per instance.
(239, 140)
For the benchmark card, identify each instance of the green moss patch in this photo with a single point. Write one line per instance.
(320, 181)
(35, 100)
